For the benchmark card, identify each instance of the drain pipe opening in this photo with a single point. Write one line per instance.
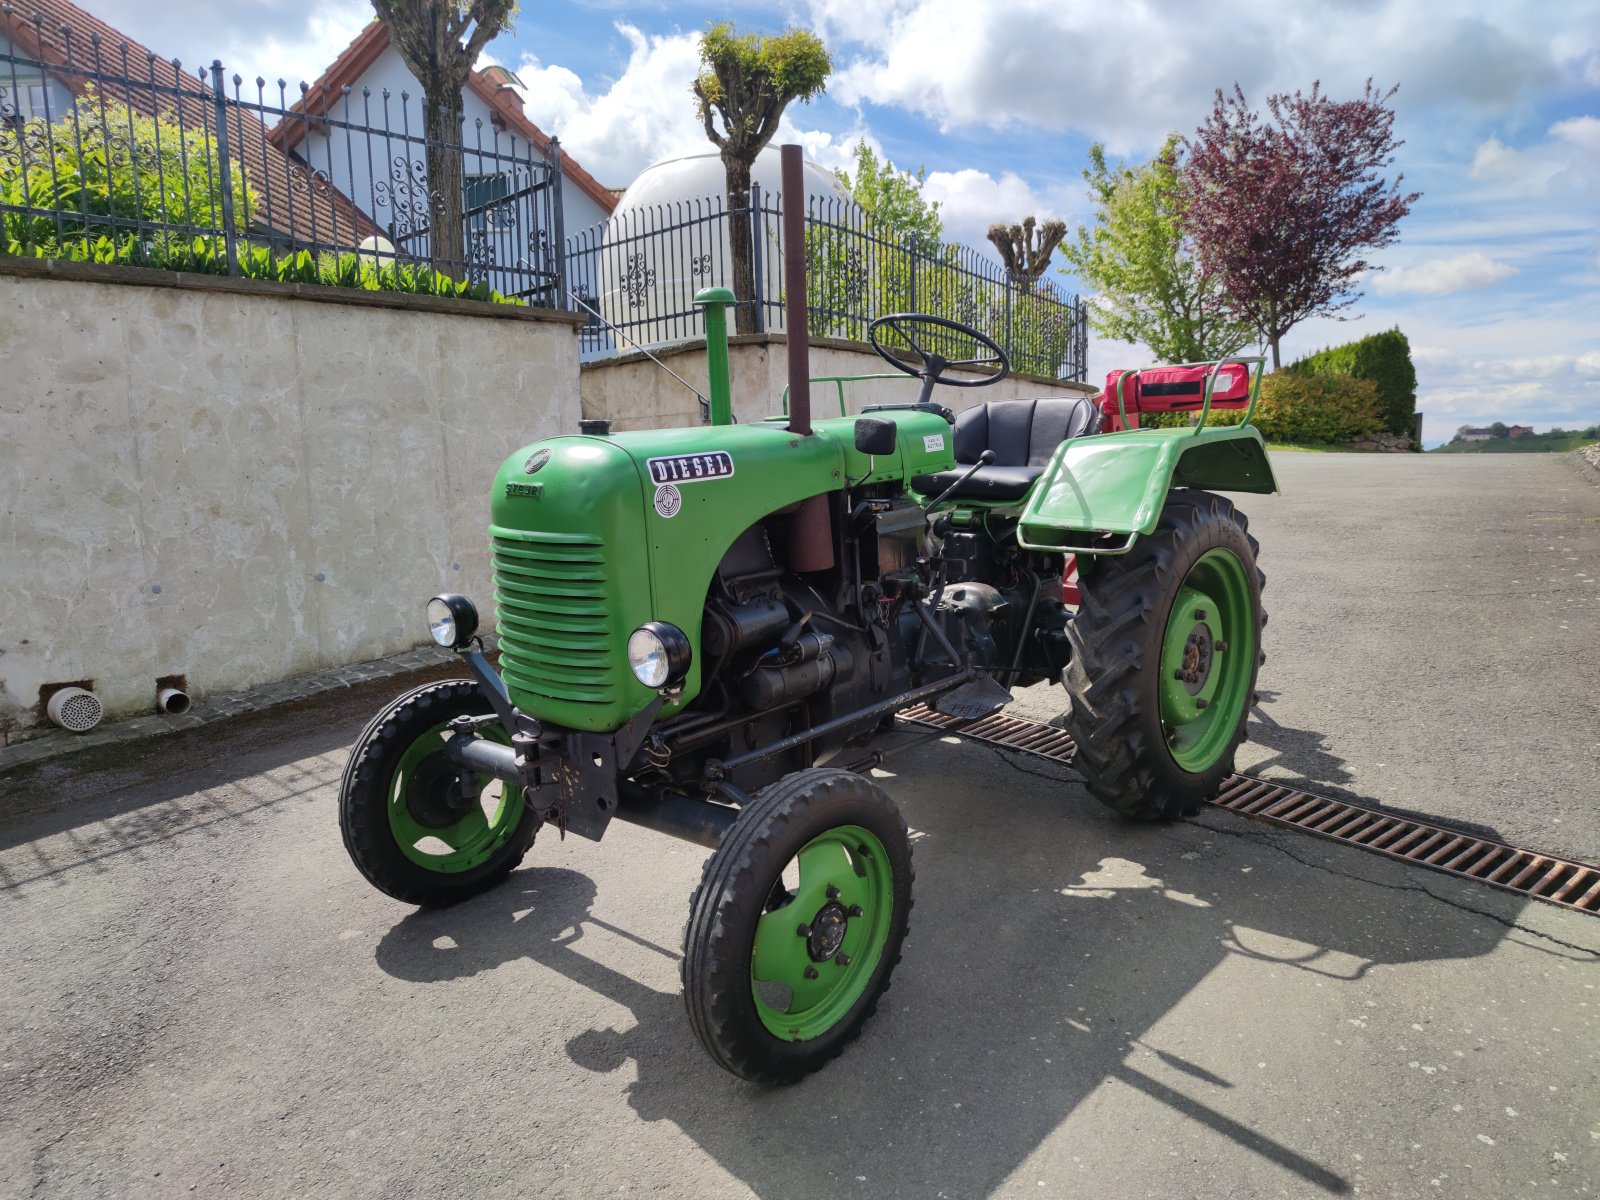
(75, 709)
(172, 701)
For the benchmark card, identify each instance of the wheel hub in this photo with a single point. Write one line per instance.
(437, 794)
(827, 931)
(1197, 652)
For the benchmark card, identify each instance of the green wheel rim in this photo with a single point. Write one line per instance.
(845, 870)
(467, 842)
(1206, 658)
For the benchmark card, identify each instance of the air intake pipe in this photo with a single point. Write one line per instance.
(795, 325)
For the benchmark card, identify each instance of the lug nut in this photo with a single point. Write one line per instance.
(811, 972)
(1221, 646)
(803, 930)
(843, 960)
(1202, 702)
(833, 892)
(853, 911)
(1199, 614)
(1179, 675)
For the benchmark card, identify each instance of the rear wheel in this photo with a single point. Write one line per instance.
(1165, 648)
(797, 924)
(419, 827)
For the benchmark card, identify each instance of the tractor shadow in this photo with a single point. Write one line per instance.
(1048, 942)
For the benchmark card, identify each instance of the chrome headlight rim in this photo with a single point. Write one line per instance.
(659, 654)
(452, 620)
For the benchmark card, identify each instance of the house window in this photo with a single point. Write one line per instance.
(36, 99)
(483, 190)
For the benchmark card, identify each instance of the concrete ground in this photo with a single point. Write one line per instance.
(204, 998)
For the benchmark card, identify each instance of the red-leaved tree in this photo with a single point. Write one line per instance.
(1282, 210)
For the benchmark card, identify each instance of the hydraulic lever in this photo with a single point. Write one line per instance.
(984, 460)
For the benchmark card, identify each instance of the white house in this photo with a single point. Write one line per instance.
(359, 129)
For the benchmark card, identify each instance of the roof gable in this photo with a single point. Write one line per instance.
(359, 56)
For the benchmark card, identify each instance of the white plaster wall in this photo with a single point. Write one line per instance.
(243, 488)
(357, 160)
(635, 393)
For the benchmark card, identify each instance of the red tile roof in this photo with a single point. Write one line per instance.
(76, 46)
(363, 51)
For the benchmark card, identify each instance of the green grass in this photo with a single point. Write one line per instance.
(1314, 448)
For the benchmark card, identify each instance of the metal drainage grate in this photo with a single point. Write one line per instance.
(1558, 881)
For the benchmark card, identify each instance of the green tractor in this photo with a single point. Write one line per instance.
(705, 630)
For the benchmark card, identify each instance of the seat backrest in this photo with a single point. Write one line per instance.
(1023, 433)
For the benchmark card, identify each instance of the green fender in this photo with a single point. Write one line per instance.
(1100, 493)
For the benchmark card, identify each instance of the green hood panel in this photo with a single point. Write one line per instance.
(595, 541)
(1117, 483)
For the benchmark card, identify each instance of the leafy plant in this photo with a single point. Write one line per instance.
(1384, 358)
(1138, 260)
(206, 256)
(1315, 409)
(109, 171)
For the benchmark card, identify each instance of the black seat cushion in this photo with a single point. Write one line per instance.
(988, 483)
(1023, 434)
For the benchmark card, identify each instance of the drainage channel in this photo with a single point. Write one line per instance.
(1558, 881)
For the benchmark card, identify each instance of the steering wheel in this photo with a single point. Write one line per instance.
(918, 331)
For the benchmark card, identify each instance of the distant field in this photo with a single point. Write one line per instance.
(1533, 443)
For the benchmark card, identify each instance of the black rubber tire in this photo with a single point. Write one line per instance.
(1114, 713)
(734, 887)
(364, 799)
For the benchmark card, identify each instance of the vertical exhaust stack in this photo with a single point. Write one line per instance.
(794, 290)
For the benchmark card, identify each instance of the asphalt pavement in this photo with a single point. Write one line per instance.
(203, 998)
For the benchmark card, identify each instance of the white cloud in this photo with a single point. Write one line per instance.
(1128, 73)
(644, 115)
(268, 38)
(971, 200)
(1567, 160)
(1441, 276)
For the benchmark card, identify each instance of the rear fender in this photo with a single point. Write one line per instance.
(1100, 494)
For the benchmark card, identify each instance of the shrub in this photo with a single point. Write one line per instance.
(1297, 407)
(207, 256)
(109, 171)
(1385, 359)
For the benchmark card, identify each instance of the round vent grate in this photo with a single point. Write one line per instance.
(75, 709)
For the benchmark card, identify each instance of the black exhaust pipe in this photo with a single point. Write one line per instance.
(796, 329)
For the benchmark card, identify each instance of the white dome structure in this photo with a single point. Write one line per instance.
(658, 249)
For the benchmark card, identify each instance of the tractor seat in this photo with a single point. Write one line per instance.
(1023, 434)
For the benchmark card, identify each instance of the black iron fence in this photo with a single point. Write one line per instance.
(637, 275)
(109, 153)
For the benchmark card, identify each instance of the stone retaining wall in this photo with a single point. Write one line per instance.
(241, 482)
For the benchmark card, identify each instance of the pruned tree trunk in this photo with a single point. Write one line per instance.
(740, 244)
(442, 124)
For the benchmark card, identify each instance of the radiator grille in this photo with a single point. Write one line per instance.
(550, 591)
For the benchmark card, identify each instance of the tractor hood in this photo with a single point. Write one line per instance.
(594, 536)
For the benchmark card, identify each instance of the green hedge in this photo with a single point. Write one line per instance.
(1385, 359)
(1317, 408)
(206, 256)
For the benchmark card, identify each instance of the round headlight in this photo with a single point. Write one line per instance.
(452, 620)
(659, 654)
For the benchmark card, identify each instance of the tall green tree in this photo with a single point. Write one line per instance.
(1141, 266)
(746, 82)
(439, 41)
(893, 200)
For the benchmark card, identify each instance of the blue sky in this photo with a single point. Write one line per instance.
(1496, 277)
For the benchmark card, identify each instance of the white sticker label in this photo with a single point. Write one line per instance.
(933, 443)
(1224, 382)
(668, 501)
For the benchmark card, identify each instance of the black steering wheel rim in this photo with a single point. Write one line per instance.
(899, 321)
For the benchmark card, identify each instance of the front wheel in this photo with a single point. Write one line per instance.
(797, 925)
(418, 826)
(1165, 648)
